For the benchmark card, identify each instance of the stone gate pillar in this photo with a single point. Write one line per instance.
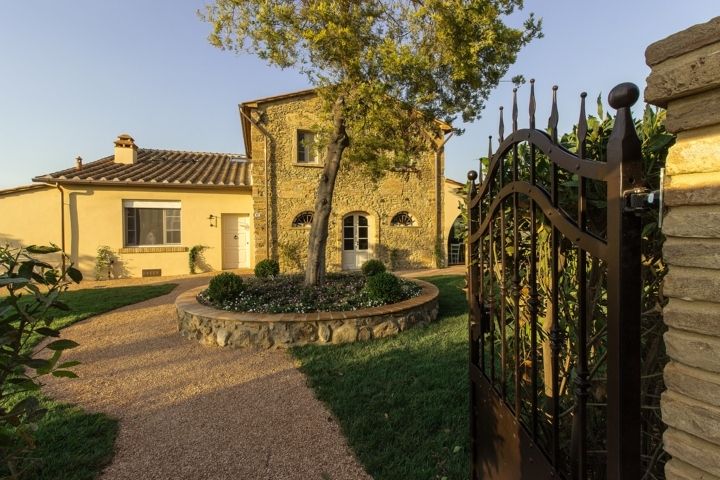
(685, 79)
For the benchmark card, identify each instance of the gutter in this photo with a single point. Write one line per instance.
(266, 134)
(62, 219)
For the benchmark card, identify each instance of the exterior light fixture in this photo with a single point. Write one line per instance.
(213, 220)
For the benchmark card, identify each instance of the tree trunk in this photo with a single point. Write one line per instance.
(338, 142)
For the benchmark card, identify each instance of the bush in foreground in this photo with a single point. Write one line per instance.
(224, 286)
(372, 267)
(384, 287)
(267, 268)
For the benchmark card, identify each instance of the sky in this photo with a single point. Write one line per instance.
(75, 74)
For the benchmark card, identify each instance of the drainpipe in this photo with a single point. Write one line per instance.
(62, 218)
(438, 193)
(266, 134)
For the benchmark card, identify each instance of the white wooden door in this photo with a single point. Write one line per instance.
(235, 241)
(356, 243)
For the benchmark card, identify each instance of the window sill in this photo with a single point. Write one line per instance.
(154, 249)
(311, 165)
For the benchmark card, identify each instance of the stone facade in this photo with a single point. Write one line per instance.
(685, 79)
(272, 143)
(239, 330)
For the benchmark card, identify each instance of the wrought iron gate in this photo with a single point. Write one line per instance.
(554, 289)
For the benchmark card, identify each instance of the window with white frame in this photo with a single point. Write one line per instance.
(307, 151)
(151, 223)
(402, 219)
(303, 220)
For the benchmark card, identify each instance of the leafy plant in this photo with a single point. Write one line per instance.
(31, 289)
(195, 256)
(372, 267)
(292, 254)
(384, 287)
(385, 70)
(224, 286)
(267, 268)
(104, 261)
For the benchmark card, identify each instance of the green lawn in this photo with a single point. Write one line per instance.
(402, 402)
(73, 444)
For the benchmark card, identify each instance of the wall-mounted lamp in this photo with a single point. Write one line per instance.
(213, 220)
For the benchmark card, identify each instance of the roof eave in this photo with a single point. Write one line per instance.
(103, 183)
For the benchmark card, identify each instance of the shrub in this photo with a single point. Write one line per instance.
(267, 268)
(29, 296)
(372, 267)
(384, 287)
(104, 261)
(224, 286)
(195, 257)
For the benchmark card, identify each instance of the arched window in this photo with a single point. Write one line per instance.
(303, 219)
(402, 219)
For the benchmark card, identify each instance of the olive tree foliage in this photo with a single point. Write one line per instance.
(30, 291)
(385, 70)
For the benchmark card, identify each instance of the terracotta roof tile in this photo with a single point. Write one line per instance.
(166, 167)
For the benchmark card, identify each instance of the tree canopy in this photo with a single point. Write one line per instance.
(385, 69)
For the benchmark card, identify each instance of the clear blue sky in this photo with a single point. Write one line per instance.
(75, 74)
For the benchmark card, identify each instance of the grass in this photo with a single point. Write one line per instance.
(73, 444)
(402, 402)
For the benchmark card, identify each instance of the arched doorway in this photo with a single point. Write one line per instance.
(455, 246)
(355, 241)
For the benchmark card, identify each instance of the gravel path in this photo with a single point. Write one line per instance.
(192, 412)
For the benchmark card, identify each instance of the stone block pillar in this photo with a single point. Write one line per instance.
(685, 79)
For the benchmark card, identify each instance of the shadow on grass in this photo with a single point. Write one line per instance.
(402, 402)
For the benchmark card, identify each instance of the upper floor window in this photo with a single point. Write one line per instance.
(151, 223)
(402, 219)
(307, 151)
(303, 219)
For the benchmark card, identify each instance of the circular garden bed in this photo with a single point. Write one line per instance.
(279, 313)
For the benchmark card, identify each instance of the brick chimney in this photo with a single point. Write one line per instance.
(125, 149)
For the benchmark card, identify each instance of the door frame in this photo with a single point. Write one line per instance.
(223, 218)
(371, 237)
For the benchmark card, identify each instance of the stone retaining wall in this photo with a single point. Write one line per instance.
(685, 79)
(211, 326)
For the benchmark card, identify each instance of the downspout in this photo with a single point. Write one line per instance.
(438, 193)
(62, 218)
(266, 134)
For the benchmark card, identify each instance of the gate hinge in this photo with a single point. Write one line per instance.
(640, 200)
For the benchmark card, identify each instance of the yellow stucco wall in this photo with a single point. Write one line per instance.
(451, 208)
(94, 217)
(293, 189)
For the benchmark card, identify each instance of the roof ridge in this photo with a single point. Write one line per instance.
(229, 154)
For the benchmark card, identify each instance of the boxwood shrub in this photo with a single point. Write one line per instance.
(267, 268)
(384, 287)
(224, 286)
(372, 267)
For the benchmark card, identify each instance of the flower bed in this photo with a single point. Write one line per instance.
(214, 327)
(287, 294)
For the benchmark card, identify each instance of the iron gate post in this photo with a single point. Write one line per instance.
(624, 157)
(474, 307)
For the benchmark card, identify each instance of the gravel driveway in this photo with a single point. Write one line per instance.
(192, 412)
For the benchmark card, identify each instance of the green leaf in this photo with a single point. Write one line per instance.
(15, 281)
(59, 345)
(73, 363)
(60, 306)
(48, 332)
(42, 249)
(64, 374)
(74, 274)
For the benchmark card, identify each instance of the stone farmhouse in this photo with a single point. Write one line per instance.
(150, 206)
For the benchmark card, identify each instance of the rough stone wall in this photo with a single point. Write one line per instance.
(293, 188)
(685, 79)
